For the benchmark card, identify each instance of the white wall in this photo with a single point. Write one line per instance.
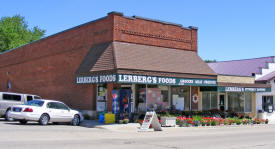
(265, 71)
(259, 98)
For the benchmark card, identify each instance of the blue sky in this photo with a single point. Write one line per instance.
(228, 29)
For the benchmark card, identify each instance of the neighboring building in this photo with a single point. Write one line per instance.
(246, 72)
(116, 62)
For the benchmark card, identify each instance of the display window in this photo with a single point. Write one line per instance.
(180, 97)
(209, 100)
(154, 97)
(240, 101)
(101, 98)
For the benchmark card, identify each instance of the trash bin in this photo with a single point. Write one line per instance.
(109, 118)
(262, 114)
(101, 118)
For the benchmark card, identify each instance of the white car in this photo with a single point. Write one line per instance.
(45, 111)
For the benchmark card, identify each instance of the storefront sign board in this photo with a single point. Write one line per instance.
(142, 79)
(242, 89)
(150, 118)
(95, 79)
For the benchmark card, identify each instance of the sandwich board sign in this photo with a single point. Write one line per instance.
(150, 118)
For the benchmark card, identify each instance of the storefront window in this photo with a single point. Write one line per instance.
(101, 97)
(213, 100)
(181, 97)
(248, 102)
(236, 101)
(155, 97)
(209, 100)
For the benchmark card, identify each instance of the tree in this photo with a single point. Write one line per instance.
(14, 32)
(210, 61)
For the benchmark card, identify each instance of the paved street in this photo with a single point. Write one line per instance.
(34, 136)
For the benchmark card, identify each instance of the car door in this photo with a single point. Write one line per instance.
(54, 112)
(65, 114)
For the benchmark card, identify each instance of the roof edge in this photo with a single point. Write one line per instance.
(245, 59)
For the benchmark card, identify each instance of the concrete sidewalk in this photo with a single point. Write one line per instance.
(113, 127)
(134, 127)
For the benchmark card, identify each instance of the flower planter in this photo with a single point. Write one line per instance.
(168, 121)
(262, 115)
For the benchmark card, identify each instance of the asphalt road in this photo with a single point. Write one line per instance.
(34, 136)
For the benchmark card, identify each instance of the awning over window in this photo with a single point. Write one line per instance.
(134, 63)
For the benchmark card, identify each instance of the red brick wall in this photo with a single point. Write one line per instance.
(154, 33)
(47, 67)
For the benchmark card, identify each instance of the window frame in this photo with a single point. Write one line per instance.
(57, 106)
(28, 97)
(12, 97)
(210, 100)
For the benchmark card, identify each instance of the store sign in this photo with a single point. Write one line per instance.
(150, 119)
(243, 89)
(138, 79)
(95, 79)
(141, 79)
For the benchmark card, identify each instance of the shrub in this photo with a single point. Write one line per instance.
(120, 121)
(126, 121)
(245, 121)
(196, 123)
(238, 122)
(213, 122)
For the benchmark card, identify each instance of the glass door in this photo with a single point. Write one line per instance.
(222, 102)
(267, 103)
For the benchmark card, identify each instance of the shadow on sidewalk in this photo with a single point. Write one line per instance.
(92, 124)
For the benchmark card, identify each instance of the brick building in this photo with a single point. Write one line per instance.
(115, 62)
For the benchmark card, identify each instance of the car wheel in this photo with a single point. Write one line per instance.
(7, 117)
(76, 120)
(44, 119)
(23, 122)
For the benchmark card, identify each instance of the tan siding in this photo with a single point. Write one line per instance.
(236, 79)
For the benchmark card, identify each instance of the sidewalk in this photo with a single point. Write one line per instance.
(134, 127)
(96, 124)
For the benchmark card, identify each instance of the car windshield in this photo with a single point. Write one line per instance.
(37, 103)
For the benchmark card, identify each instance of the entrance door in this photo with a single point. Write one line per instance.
(222, 102)
(267, 103)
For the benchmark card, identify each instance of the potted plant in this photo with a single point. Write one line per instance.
(196, 123)
(125, 121)
(257, 121)
(245, 121)
(238, 122)
(120, 121)
(187, 122)
(213, 122)
(203, 122)
(230, 122)
(225, 122)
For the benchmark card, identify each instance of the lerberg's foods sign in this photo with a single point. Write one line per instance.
(163, 80)
(95, 79)
(138, 79)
